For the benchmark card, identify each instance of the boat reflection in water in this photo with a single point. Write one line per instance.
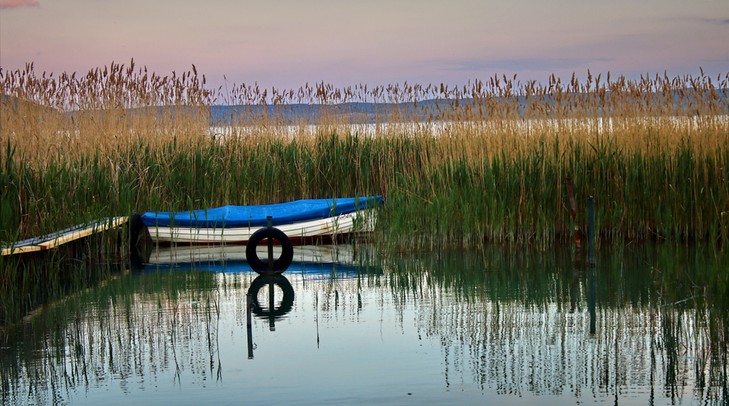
(269, 297)
(308, 259)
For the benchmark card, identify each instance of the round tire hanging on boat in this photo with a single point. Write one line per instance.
(277, 266)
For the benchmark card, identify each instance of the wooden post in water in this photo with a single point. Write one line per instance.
(269, 221)
(573, 212)
(249, 324)
(271, 304)
(591, 241)
(591, 301)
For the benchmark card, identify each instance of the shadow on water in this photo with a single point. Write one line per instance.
(648, 322)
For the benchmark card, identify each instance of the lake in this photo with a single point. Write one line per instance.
(348, 324)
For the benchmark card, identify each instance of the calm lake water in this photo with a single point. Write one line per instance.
(347, 325)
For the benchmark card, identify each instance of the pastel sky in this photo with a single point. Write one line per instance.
(285, 43)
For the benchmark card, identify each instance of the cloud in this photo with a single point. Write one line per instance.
(714, 21)
(701, 20)
(8, 4)
(520, 64)
(709, 20)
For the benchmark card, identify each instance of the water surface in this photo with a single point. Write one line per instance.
(347, 325)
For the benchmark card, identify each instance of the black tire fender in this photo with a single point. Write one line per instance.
(280, 264)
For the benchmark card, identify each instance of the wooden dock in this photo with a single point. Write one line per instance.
(53, 240)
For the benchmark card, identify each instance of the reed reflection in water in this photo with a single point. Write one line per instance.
(648, 324)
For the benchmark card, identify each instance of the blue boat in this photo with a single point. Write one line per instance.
(300, 220)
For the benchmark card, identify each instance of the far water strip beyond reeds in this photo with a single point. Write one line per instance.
(647, 325)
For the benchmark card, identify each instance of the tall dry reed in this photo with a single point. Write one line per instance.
(457, 165)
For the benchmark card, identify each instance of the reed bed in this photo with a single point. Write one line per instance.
(457, 165)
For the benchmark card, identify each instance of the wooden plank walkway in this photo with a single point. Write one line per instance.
(53, 240)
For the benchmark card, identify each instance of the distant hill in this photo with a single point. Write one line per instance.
(426, 109)
(17, 103)
(312, 113)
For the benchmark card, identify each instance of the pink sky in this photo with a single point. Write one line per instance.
(286, 43)
(5, 4)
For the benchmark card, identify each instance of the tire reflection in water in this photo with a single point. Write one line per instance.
(270, 312)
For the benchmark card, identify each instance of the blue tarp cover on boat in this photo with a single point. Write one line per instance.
(255, 216)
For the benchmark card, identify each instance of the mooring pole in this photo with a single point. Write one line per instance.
(591, 241)
(271, 304)
(269, 221)
(573, 212)
(591, 301)
(249, 324)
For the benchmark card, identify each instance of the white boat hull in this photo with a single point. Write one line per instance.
(329, 254)
(356, 222)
